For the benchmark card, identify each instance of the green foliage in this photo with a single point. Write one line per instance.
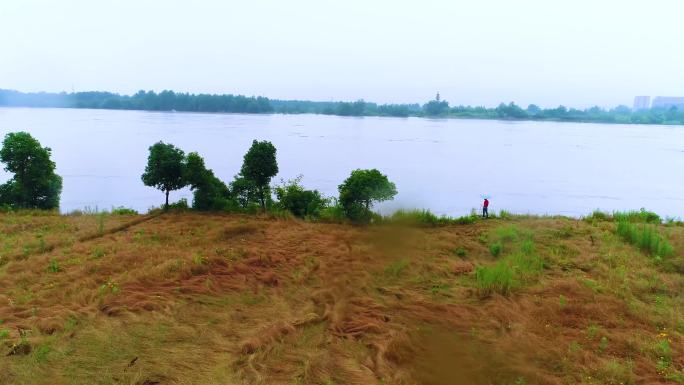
(645, 237)
(496, 248)
(165, 169)
(258, 167)
(209, 192)
(34, 184)
(641, 216)
(302, 203)
(510, 272)
(332, 213)
(436, 107)
(361, 189)
(123, 211)
(4, 333)
(427, 218)
(169, 101)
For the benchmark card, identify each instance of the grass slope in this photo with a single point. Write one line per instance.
(185, 298)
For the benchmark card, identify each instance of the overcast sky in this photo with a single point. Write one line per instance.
(577, 53)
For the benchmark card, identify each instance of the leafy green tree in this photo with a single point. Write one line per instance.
(436, 107)
(292, 196)
(361, 189)
(165, 169)
(209, 192)
(258, 167)
(35, 184)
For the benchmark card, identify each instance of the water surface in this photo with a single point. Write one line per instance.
(446, 165)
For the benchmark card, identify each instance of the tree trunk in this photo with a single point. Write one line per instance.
(166, 205)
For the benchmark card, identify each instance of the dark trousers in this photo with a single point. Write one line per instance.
(485, 212)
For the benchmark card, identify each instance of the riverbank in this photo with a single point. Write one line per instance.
(213, 298)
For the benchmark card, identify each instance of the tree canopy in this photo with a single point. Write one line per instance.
(209, 192)
(34, 184)
(165, 169)
(361, 189)
(259, 167)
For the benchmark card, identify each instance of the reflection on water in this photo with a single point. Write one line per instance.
(444, 165)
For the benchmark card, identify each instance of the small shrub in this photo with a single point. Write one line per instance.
(4, 333)
(461, 252)
(495, 249)
(333, 213)
(299, 201)
(181, 205)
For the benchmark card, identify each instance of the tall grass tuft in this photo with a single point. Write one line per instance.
(427, 218)
(510, 272)
(645, 237)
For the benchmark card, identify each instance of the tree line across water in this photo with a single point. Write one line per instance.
(34, 184)
(178, 101)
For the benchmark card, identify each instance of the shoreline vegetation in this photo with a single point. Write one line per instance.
(227, 103)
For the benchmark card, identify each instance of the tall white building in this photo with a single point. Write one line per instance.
(642, 102)
(668, 101)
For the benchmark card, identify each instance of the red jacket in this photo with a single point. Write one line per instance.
(486, 203)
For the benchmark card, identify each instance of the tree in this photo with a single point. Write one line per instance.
(165, 169)
(361, 189)
(209, 192)
(258, 167)
(35, 184)
(436, 107)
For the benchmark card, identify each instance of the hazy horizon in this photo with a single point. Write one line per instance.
(577, 54)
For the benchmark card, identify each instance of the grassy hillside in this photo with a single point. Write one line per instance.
(185, 298)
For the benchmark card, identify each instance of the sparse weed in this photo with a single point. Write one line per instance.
(53, 266)
(397, 268)
(4, 333)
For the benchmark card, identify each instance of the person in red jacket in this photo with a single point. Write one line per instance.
(485, 208)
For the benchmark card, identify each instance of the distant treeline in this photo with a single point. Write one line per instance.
(175, 101)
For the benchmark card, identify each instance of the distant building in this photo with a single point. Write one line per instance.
(642, 102)
(668, 101)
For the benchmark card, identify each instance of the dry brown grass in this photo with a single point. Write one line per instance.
(220, 299)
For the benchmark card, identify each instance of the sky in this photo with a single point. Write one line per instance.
(577, 53)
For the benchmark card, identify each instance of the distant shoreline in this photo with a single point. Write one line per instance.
(446, 117)
(170, 101)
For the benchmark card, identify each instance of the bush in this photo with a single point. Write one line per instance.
(333, 213)
(123, 211)
(300, 202)
(361, 190)
(495, 249)
(641, 216)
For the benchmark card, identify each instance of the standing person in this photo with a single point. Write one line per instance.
(485, 208)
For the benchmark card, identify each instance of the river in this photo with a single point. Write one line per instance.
(445, 165)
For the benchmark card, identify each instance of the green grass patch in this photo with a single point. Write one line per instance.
(646, 237)
(511, 272)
